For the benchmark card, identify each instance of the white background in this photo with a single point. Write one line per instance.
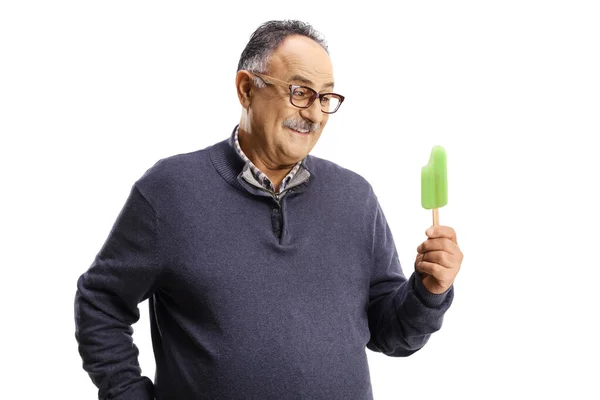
(94, 93)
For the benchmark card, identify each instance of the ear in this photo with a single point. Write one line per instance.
(244, 86)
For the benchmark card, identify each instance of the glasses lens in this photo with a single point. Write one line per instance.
(302, 96)
(330, 103)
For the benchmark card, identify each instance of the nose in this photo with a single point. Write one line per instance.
(313, 113)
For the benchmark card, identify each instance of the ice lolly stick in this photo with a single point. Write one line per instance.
(434, 183)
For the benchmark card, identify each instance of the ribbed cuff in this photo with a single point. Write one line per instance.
(430, 300)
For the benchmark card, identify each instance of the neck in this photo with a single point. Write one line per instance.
(276, 173)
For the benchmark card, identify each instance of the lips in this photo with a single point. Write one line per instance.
(298, 132)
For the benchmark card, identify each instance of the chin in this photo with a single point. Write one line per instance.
(294, 156)
(299, 145)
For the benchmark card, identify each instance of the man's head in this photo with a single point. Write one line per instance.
(278, 54)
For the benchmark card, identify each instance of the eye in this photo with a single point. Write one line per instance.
(300, 92)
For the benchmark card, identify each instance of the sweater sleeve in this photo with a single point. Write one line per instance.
(402, 313)
(124, 273)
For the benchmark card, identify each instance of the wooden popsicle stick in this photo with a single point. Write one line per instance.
(436, 217)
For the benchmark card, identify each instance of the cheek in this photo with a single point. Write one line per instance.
(272, 118)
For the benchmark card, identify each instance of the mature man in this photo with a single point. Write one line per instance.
(268, 270)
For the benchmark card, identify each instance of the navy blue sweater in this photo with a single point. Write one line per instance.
(250, 297)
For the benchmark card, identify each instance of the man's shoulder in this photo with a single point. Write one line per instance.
(177, 169)
(331, 173)
(175, 165)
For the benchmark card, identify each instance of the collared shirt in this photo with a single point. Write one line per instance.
(258, 174)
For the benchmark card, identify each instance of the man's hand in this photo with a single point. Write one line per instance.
(438, 259)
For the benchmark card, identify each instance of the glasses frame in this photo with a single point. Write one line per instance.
(291, 87)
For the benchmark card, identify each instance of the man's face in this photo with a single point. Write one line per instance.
(298, 61)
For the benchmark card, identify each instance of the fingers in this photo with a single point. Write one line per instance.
(435, 277)
(438, 258)
(442, 258)
(429, 268)
(441, 231)
(419, 258)
(443, 244)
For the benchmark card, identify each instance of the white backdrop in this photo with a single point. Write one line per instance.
(94, 93)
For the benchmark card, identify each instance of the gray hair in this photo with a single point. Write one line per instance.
(265, 40)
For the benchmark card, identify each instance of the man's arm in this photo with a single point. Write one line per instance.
(402, 312)
(124, 273)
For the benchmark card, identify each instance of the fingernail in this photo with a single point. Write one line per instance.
(429, 232)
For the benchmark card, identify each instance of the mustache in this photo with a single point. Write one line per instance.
(301, 125)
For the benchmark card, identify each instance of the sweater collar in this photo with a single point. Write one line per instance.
(231, 166)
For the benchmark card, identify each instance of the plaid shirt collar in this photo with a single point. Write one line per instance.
(263, 179)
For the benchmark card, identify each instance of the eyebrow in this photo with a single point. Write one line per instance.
(308, 82)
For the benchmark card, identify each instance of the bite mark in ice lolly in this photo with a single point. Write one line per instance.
(434, 182)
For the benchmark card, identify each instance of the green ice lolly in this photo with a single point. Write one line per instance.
(434, 182)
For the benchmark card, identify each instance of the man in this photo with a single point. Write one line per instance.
(268, 270)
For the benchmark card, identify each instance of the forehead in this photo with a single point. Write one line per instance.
(299, 56)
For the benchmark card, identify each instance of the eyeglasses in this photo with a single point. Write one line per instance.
(303, 96)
